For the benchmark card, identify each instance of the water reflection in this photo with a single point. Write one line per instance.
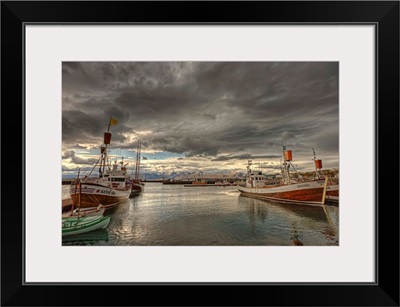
(301, 223)
(261, 208)
(172, 215)
(295, 235)
(255, 209)
(89, 238)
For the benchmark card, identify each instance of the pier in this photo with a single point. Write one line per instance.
(209, 185)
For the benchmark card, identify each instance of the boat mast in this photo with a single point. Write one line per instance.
(249, 162)
(105, 150)
(285, 171)
(138, 167)
(315, 165)
(103, 159)
(79, 202)
(76, 186)
(107, 140)
(318, 167)
(137, 160)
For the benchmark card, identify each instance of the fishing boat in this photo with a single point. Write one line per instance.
(291, 189)
(111, 187)
(332, 189)
(200, 182)
(136, 185)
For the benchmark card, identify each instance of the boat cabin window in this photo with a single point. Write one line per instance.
(118, 179)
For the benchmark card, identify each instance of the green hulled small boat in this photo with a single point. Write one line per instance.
(82, 223)
(77, 221)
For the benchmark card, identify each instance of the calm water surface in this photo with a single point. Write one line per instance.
(176, 215)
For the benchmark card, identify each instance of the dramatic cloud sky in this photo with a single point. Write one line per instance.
(201, 116)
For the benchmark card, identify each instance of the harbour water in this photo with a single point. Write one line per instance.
(174, 215)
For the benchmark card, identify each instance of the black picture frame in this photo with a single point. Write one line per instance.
(383, 14)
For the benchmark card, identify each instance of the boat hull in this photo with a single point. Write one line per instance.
(137, 187)
(305, 193)
(332, 190)
(78, 225)
(93, 194)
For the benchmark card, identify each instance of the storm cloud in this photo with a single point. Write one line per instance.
(70, 154)
(219, 110)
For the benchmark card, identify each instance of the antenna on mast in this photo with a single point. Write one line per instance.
(315, 165)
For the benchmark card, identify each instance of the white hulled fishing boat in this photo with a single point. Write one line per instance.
(288, 190)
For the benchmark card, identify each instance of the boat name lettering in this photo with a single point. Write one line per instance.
(303, 185)
(105, 191)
